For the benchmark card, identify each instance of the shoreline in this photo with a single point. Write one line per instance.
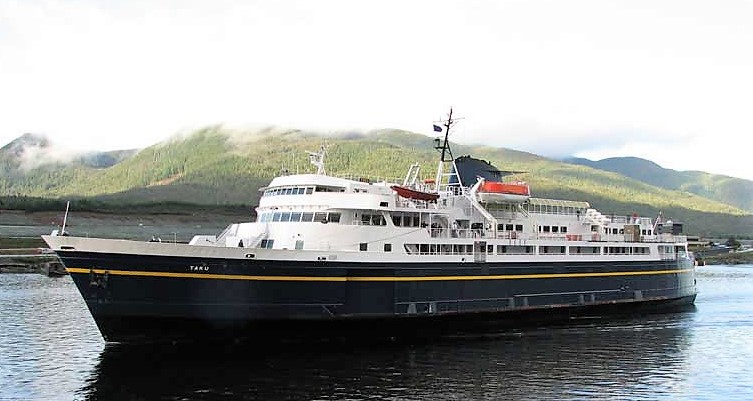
(732, 258)
(20, 227)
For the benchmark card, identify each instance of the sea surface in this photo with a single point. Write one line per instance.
(50, 349)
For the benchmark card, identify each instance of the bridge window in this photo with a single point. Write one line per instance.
(305, 217)
(320, 217)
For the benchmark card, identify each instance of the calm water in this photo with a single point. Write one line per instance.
(50, 349)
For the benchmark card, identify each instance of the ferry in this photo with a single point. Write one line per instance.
(329, 257)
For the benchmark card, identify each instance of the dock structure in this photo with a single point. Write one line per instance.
(46, 264)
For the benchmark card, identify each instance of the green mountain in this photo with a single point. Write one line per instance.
(732, 191)
(31, 161)
(217, 166)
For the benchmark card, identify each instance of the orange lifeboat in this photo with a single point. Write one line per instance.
(411, 193)
(500, 192)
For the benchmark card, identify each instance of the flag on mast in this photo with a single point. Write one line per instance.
(437, 128)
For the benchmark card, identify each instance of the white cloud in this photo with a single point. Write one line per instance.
(34, 155)
(548, 77)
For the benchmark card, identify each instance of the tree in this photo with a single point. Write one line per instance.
(733, 243)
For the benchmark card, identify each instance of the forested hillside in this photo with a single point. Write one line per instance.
(730, 190)
(217, 166)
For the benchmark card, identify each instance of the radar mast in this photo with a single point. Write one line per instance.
(446, 160)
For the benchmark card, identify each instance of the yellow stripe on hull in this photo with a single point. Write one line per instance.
(75, 270)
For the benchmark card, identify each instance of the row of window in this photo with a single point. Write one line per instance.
(510, 227)
(289, 191)
(406, 219)
(608, 230)
(439, 249)
(553, 229)
(300, 190)
(402, 220)
(467, 249)
(305, 217)
(625, 250)
(366, 219)
(398, 219)
(553, 209)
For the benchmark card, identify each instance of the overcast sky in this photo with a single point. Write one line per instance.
(670, 81)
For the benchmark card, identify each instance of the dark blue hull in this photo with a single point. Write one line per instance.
(136, 298)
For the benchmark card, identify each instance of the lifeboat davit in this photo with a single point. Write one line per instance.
(501, 192)
(411, 193)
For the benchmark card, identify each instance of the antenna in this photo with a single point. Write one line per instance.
(444, 146)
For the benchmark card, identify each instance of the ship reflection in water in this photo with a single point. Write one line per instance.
(626, 359)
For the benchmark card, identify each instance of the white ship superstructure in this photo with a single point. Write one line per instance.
(359, 220)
